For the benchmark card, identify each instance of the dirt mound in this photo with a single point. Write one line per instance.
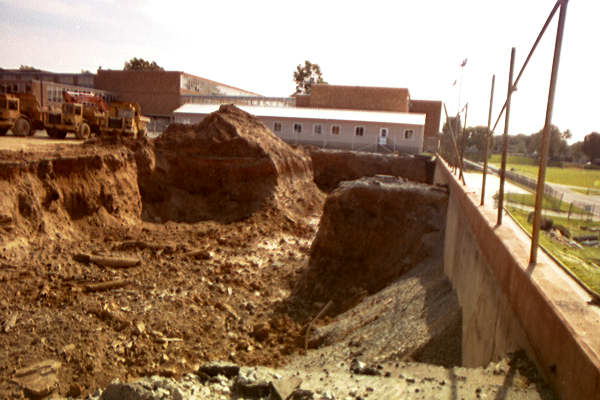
(372, 231)
(334, 166)
(225, 168)
(61, 195)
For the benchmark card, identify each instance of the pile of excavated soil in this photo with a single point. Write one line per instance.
(68, 192)
(372, 231)
(226, 168)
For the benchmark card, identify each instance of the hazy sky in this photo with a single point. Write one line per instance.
(256, 45)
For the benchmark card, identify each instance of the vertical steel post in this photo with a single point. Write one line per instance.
(486, 145)
(505, 137)
(535, 235)
(464, 143)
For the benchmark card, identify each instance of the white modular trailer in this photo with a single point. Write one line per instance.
(330, 128)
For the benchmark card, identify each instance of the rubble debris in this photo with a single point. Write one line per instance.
(253, 389)
(39, 379)
(140, 391)
(225, 369)
(360, 368)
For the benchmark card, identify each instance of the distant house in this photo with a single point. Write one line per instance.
(379, 131)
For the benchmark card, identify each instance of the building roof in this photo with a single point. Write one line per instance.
(313, 113)
(219, 83)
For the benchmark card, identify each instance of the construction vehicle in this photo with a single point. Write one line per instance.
(95, 109)
(125, 119)
(67, 118)
(20, 113)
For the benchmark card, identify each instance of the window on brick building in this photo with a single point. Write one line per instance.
(317, 129)
(409, 134)
(336, 129)
(298, 127)
(277, 127)
(359, 131)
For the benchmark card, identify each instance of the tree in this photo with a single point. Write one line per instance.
(306, 76)
(27, 68)
(576, 152)
(447, 148)
(139, 64)
(558, 143)
(591, 145)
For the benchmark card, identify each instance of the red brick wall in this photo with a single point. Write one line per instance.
(433, 112)
(358, 98)
(157, 92)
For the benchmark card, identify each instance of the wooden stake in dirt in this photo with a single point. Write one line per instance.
(108, 285)
(310, 325)
(113, 262)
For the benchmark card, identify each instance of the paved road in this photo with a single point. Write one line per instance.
(569, 196)
(492, 185)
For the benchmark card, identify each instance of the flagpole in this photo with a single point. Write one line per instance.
(462, 70)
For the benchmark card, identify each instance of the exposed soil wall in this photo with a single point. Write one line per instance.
(64, 195)
(334, 166)
(372, 231)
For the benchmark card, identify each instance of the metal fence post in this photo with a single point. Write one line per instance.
(505, 137)
(486, 145)
(464, 144)
(546, 133)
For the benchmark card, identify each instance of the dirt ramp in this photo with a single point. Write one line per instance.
(225, 168)
(372, 231)
(62, 196)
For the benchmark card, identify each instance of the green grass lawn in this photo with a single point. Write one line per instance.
(583, 263)
(548, 203)
(565, 176)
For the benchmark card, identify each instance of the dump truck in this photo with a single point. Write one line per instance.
(95, 109)
(67, 118)
(20, 113)
(125, 119)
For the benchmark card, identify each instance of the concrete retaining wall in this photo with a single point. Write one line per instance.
(509, 305)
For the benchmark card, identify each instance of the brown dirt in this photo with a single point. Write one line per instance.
(226, 168)
(334, 166)
(177, 308)
(221, 217)
(372, 231)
